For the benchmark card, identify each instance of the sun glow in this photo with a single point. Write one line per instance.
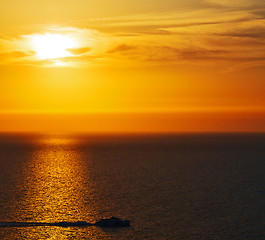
(52, 46)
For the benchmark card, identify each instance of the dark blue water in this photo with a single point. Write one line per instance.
(170, 187)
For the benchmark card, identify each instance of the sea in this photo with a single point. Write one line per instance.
(170, 186)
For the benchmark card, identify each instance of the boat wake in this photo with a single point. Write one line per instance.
(104, 222)
(35, 224)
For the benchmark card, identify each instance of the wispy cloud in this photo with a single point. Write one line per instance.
(79, 51)
(237, 3)
(16, 54)
(122, 48)
(21, 50)
(218, 31)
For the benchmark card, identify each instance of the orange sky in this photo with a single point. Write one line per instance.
(155, 66)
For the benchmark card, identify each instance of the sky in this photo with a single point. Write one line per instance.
(132, 66)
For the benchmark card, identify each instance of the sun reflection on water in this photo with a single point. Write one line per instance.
(58, 188)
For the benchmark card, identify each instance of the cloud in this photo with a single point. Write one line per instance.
(190, 55)
(79, 51)
(202, 54)
(207, 35)
(122, 48)
(21, 50)
(169, 29)
(259, 12)
(168, 24)
(15, 56)
(236, 3)
(158, 53)
(247, 32)
(171, 54)
(6, 38)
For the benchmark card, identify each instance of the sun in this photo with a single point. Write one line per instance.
(52, 46)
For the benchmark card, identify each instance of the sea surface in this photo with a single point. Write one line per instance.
(186, 186)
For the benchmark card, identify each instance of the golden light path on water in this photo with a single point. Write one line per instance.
(58, 190)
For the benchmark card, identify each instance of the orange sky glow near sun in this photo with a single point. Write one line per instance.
(119, 66)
